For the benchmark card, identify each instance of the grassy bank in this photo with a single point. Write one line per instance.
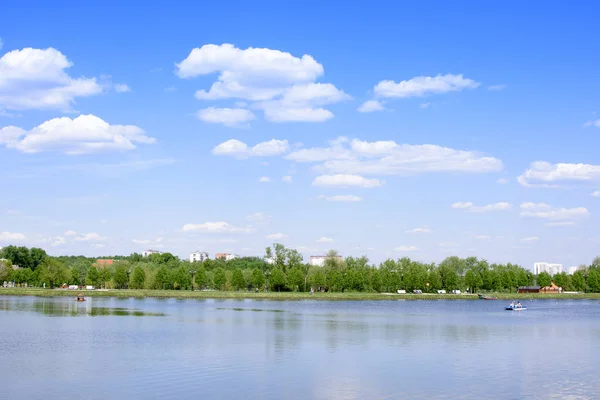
(178, 294)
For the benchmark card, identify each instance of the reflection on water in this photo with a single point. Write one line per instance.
(302, 349)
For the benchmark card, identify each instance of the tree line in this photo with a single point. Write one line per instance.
(285, 271)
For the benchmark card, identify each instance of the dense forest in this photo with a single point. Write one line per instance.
(287, 272)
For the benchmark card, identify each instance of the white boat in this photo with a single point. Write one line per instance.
(515, 308)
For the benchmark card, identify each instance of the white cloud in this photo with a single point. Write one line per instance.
(595, 123)
(37, 79)
(502, 181)
(424, 229)
(424, 85)
(324, 240)
(424, 105)
(239, 149)
(122, 88)
(215, 227)
(497, 87)
(390, 158)
(545, 174)
(286, 179)
(81, 135)
(88, 237)
(11, 237)
(596, 193)
(342, 198)
(282, 85)
(370, 106)
(260, 217)
(233, 117)
(346, 180)
(70, 233)
(560, 224)
(502, 206)
(406, 248)
(58, 241)
(530, 239)
(264, 179)
(276, 236)
(545, 211)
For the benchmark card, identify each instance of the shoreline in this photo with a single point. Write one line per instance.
(348, 296)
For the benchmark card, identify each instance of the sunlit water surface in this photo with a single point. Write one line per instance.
(108, 348)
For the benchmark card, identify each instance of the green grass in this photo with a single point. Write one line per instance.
(179, 294)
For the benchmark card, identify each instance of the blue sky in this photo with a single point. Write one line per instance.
(421, 129)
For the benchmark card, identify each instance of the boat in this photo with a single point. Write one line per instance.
(484, 297)
(80, 297)
(509, 308)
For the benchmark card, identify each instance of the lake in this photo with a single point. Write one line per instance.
(108, 348)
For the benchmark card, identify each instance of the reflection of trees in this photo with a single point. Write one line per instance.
(59, 307)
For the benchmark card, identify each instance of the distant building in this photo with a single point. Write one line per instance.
(225, 256)
(148, 253)
(198, 256)
(552, 269)
(319, 261)
(102, 263)
(270, 260)
(571, 270)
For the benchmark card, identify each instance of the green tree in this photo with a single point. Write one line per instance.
(200, 277)
(562, 280)
(37, 257)
(181, 278)
(17, 255)
(120, 278)
(334, 280)
(295, 279)
(593, 280)
(376, 280)
(53, 272)
(105, 276)
(220, 279)
(317, 279)
(161, 279)
(93, 277)
(471, 280)
(332, 260)
(434, 279)
(237, 279)
(138, 278)
(258, 278)
(578, 281)
(277, 280)
(544, 279)
(5, 271)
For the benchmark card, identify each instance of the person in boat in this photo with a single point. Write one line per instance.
(519, 304)
(80, 297)
(512, 304)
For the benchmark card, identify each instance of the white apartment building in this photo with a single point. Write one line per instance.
(148, 253)
(572, 269)
(319, 261)
(552, 269)
(198, 256)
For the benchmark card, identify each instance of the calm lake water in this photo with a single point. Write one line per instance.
(226, 349)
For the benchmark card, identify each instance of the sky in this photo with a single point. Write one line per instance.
(389, 129)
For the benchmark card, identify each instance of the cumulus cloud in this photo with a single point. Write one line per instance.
(405, 248)
(390, 158)
(233, 117)
(37, 79)
(282, 85)
(324, 239)
(346, 180)
(58, 241)
(215, 227)
(370, 106)
(560, 224)
(342, 198)
(286, 179)
(545, 211)
(239, 149)
(81, 135)
(502, 206)
(11, 237)
(423, 229)
(276, 236)
(122, 88)
(88, 237)
(424, 85)
(545, 174)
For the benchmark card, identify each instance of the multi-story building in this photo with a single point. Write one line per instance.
(552, 269)
(572, 269)
(198, 256)
(225, 256)
(319, 261)
(148, 253)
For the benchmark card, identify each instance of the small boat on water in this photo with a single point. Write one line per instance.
(517, 307)
(484, 297)
(80, 297)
